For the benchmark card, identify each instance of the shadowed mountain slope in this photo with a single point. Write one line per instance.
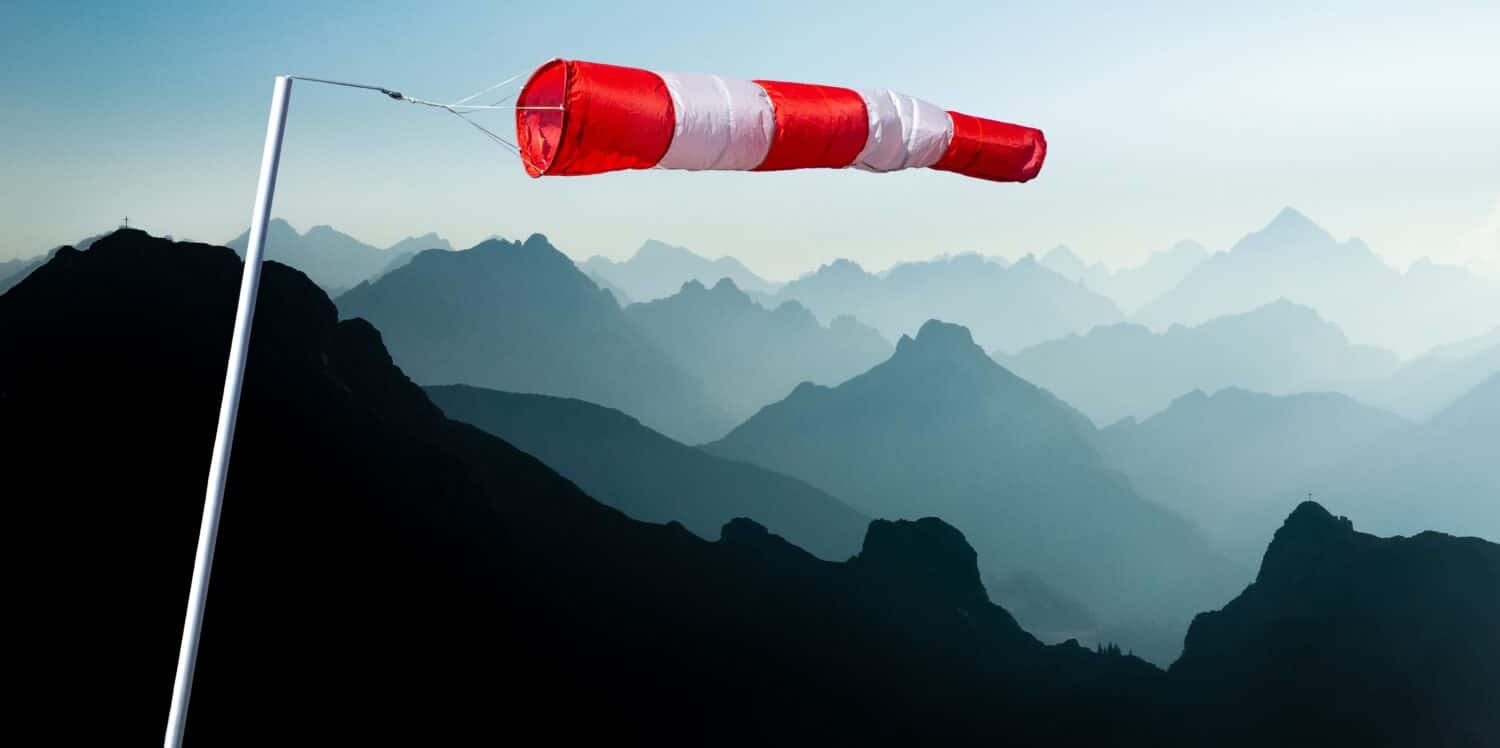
(1351, 639)
(616, 460)
(386, 575)
(519, 317)
(749, 356)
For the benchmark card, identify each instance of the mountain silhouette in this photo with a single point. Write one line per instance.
(749, 356)
(519, 317)
(332, 259)
(940, 428)
(658, 270)
(1293, 258)
(1126, 370)
(1235, 462)
(1351, 639)
(1130, 287)
(385, 574)
(1006, 307)
(650, 477)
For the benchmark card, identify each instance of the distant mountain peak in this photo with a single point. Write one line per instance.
(657, 248)
(1291, 225)
(938, 335)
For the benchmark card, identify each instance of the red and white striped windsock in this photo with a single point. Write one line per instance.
(575, 118)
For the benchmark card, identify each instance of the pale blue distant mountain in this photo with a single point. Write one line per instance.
(1443, 475)
(748, 356)
(1127, 370)
(330, 258)
(1422, 387)
(658, 269)
(414, 244)
(1236, 462)
(15, 271)
(1006, 307)
(1131, 287)
(1294, 258)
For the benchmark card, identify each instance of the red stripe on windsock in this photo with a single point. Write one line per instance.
(997, 151)
(612, 118)
(816, 126)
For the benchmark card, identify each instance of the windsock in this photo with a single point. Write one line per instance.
(575, 118)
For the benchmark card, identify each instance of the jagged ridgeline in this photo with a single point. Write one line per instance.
(386, 574)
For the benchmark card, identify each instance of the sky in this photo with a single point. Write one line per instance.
(1165, 121)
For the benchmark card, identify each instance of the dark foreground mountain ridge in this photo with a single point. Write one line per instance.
(388, 575)
(384, 573)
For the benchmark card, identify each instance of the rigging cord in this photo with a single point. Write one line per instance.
(460, 109)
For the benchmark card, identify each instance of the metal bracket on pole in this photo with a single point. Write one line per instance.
(218, 471)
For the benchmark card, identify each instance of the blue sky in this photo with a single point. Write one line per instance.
(1166, 121)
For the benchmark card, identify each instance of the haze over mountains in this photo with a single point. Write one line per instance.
(1006, 306)
(333, 259)
(377, 558)
(1132, 287)
(1126, 370)
(1293, 258)
(519, 316)
(1235, 461)
(749, 356)
(940, 428)
(658, 269)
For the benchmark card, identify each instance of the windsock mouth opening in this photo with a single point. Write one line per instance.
(541, 117)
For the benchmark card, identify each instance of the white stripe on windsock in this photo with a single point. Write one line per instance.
(722, 123)
(905, 132)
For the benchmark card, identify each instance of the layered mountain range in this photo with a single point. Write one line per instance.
(1235, 462)
(335, 260)
(1126, 370)
(386, 574)
(1007, 306)
(1293, 258)
(518, 316)
(658, 270)
(940, 428)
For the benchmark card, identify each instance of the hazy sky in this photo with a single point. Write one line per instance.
(1167, 121)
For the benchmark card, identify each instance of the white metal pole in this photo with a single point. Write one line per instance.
(218, 471)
